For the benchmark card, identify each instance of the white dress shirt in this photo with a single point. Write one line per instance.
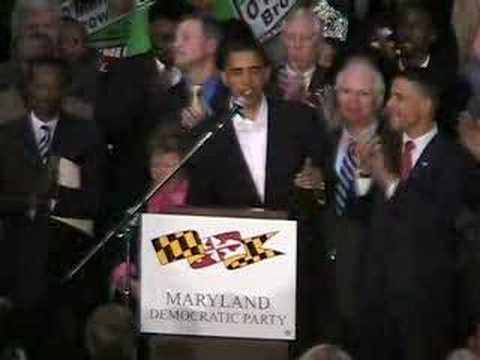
(37, 124)
(307, 75)
(252, 136)
(421, 143)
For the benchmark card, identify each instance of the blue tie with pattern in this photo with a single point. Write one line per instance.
(345, 185)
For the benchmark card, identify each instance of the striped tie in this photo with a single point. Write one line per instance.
(44, 143)
(345, 184)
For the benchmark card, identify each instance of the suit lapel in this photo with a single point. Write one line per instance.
(426, 159)
(31, 148)
(318, 80)
(275, 155)
(60, 137)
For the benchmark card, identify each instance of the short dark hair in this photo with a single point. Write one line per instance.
(50, 62)
(210, 26)
(169, 10)
(237, 42)
(167, 138)
(425, 81)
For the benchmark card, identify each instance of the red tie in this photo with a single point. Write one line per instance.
(407, 162)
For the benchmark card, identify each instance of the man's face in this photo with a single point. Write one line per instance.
(246, 75)
(45, 92)
(162, 34)
(191, 46)
(301, 42)
(43, 22)
(415, 33)
(357, 101)
(33, 47)
(406, 106)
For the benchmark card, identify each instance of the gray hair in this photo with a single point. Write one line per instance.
(307, 13)
(23, 7)
(364, 64)
(325, 352)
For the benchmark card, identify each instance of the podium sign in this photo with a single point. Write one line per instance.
(218, 276)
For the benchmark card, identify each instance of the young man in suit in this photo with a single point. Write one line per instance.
(266, 145)
(262, 155)
(409, 292)
(51, 184)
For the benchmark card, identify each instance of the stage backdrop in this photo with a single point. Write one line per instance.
(218, 276)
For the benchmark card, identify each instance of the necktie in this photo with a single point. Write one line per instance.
(44, 143)
(407, 162)
(197, 102)
(346, 178)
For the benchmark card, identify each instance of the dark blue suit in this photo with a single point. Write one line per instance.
(409, 292)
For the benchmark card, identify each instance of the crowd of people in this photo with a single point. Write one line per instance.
(360, 120)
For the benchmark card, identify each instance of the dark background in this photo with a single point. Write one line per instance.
(5, 12)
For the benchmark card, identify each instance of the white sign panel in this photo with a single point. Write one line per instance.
(263, 16)
(217, 276)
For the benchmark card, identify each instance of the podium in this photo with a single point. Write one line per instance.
(218, 283)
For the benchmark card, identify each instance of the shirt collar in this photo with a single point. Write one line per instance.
(423, 140)
(363, 136)
(37, 123)
(259, 122)
(307, 74)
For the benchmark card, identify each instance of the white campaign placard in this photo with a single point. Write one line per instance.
(218, 276)
(263, 16)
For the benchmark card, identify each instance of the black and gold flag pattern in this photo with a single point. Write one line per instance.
(179, 246)
(187, 245)
(254, 252)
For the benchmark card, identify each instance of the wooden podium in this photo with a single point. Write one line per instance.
(186, 347)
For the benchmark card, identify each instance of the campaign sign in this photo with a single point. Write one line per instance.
(218, 276)
(263, 16)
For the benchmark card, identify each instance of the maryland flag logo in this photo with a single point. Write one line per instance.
(228, 248)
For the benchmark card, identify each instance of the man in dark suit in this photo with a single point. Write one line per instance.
(265, 145)
(51, 186)
(344, 220)
(257, 156)
(409, 292)
(301, 78)
(144, 91)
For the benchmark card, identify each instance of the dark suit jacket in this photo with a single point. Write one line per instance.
(134, 100)
(345, 237)
(40, 249)
(411, 280)
(220, 175)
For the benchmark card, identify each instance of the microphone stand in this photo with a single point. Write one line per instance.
(129, 221)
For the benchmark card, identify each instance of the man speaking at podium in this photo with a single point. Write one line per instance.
(264, 148)
(262, 156)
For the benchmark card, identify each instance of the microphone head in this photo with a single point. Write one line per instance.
(237, 105)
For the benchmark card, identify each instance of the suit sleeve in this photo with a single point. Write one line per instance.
(85, 202)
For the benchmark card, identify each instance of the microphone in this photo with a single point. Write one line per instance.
(237, 104)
